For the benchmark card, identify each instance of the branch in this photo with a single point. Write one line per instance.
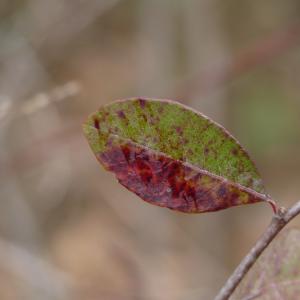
(279, 220)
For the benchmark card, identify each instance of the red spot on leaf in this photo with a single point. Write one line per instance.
(96, 123)
(179, 130)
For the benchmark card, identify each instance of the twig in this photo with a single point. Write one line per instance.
(279, 220)
(39, 101)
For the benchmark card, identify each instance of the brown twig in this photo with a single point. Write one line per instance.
(279, 220)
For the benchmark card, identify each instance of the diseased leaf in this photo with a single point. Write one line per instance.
(173, 156)
(276, 274)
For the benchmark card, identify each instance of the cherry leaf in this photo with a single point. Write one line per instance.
(276, 274)
(173, 156)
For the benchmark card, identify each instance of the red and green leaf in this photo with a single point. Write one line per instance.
(173, 156)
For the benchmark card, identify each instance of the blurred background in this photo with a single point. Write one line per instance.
(67, 229)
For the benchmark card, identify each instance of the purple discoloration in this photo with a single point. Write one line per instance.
(142, 102)
(222, 191)
(121, 114)
(163, 181)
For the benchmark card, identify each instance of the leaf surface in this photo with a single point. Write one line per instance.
(276, 274)
(173, 156)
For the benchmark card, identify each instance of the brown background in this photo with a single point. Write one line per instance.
(67, 229)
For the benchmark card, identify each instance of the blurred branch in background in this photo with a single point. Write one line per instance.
(19, 222)
(5, 107)
(41, 28)
(57, 94)
(40, 279)
(206, 45)
(39, 101)
(51, 25)
(261, 52)
(156, 33)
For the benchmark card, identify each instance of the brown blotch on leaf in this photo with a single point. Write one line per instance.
(144, 117)
(190, 152)
(96, 123)
(234, 151)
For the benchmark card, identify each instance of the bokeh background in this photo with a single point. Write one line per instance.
(67, 229)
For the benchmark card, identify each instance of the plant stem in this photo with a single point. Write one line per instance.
(279, 220)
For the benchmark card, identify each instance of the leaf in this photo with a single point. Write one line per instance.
(276, 274)
(173, 156)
